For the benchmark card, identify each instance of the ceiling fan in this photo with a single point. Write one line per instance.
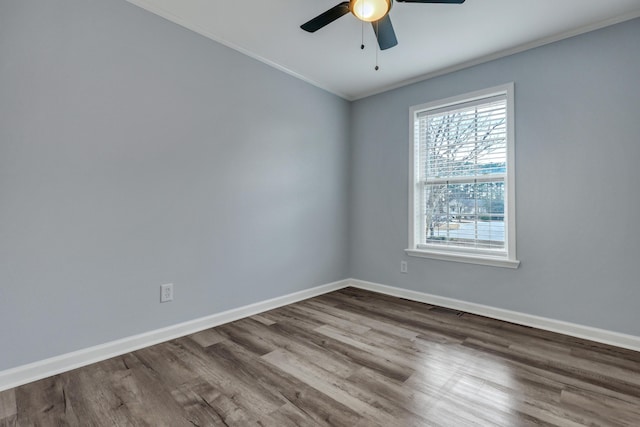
(374, 11)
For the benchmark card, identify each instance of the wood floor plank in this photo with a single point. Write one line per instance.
(411, 399)
(287, 415)
(242, 390)
(600, 409)
(373, 361)
(208, 337)
(262, 319)
(44, 402)
(94, 395)
(197, 398)
(257, 344)
(320, 408)
(326, 318)
(348, 314)
(315, 354)
(377, 411)
(287, 315)
(8, 408)
(348, 358)
(627, 386)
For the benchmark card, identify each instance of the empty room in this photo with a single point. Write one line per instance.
(319, 213)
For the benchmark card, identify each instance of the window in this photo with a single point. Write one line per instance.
(462, 181)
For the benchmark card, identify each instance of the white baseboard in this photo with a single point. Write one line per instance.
(630, 342)
(45, 368)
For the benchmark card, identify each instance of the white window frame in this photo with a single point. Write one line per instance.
(468, 255)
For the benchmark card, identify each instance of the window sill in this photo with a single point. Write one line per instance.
(470, 259)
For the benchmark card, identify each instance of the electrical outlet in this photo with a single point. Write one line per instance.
(403, 266)
(166, 292)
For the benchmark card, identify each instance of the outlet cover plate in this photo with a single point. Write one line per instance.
(166, 292)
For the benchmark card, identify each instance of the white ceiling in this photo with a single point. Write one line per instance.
(432, 38)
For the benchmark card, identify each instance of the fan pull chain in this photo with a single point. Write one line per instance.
(362, 36)
(377, 44)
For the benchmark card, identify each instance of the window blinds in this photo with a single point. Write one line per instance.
(462, 170)
(467, 141)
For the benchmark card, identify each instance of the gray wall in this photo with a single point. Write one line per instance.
(577, 105)
(134, 152)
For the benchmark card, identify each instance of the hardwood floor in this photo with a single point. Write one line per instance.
(348, 358)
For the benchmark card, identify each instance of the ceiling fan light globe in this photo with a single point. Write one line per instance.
(370, 10)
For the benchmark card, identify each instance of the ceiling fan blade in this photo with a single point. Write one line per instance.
(326, 18)
(384, 33)
(432, 1)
